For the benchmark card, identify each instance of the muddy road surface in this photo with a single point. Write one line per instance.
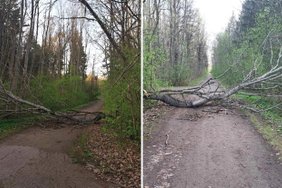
(38, 158)
(207, 147)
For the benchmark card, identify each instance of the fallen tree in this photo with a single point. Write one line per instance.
(210, 90)
(14, 105)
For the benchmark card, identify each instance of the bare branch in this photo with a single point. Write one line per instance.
(104, 28)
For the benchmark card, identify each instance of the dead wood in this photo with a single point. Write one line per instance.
(210, 90)
(203, 91)
(24, 106)
(216, 111)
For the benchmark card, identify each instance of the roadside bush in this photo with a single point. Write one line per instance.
(122, 97)
(63, 93)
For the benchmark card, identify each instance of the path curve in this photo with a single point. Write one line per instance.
(37, 158)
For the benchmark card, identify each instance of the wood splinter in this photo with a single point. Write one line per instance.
(167, 137)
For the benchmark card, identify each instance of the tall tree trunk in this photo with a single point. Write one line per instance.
(18, 51)
(29, 42)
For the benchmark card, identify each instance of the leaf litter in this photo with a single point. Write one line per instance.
(109, 157)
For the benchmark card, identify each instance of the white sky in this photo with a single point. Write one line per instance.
(94, 53)
(216, 14)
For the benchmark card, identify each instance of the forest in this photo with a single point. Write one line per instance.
(212, 107)
(70, 70)
(250, 50)
(175, 44)
(71, 90)
(247, 56)
(48, 53)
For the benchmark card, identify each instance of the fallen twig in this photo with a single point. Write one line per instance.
(167, 137)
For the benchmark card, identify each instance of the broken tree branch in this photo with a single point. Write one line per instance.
(210, 89)
(74, 116)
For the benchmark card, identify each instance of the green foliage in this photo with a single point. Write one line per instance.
(199, 79)
(148, 104)
(61, 94)
(180, 74)
(253, 48)
(268, 131)
(154, 75)
(253, 45)
(159, 73)
(260, 102)
(9, 126)
(266, 106)
(122, 97)
(175, 46)
(269, 123)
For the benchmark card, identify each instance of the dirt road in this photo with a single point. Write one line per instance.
(193, 148)
(37, 158)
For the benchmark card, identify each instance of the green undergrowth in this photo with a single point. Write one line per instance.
(268, 130)
(268, 121)
(62, 94)
(147, 104)
(265, 105)
(199, 79)
(11, 126)
(58, 94)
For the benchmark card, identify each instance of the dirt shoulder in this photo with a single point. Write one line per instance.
(202, 149)
(38, 157)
